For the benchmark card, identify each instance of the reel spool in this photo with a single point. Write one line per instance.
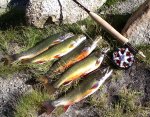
(123, 58)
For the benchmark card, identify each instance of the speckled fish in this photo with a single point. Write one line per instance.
(59, 50)
(77, 71)
(41, 47)
(80, 69)
(90, 85)
(73, 57)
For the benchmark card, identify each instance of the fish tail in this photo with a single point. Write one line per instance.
(50, 88)
(43, 79)
(47, 108)
(9, 59)
(24, 61)
(33, 81)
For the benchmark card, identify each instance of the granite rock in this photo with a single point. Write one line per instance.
(38, 12)
(137, 29)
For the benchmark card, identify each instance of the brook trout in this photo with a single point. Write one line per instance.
(59, 50)
(39, 48)
(89, 86)
(80, 69)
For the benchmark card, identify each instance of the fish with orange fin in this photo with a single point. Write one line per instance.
(77, 71)
(39, 48)
(59, 50)
(88, 86)
(73, 57)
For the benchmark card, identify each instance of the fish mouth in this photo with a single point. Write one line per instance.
(81, 38)
(8, 60)
(105, 71)
(105, 50)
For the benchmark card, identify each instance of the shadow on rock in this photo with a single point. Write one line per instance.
(146, 100)
(32, 81)
(118, 21)
(15, 16)
(18, 3)
(8, 109)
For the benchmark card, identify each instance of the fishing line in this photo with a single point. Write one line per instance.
(86, 34)
(98, 45)
(110, 29)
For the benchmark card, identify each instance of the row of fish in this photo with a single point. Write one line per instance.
(75, 58)
(76, 71)
(70, 72)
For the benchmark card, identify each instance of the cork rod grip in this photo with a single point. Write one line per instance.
(109, 28)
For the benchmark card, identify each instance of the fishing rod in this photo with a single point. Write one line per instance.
(129, 48)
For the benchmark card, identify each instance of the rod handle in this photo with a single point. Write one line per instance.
(109, 28)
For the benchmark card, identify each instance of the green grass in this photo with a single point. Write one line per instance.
(127, 104)
(6, 71)
(24, 38)
(30, 104)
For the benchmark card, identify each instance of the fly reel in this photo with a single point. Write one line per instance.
(123, 58)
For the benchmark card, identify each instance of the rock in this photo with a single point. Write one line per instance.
(4, 4)
(137, 28)
(124, 6)
(39, 12)
(11, 90)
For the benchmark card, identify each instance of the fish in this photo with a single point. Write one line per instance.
(81, 69)
(59, 50)
(87, 87)
(73, 57)
(77, 71)
(39, 48)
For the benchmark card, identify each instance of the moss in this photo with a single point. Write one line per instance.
(10, 70)
(112, 2)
